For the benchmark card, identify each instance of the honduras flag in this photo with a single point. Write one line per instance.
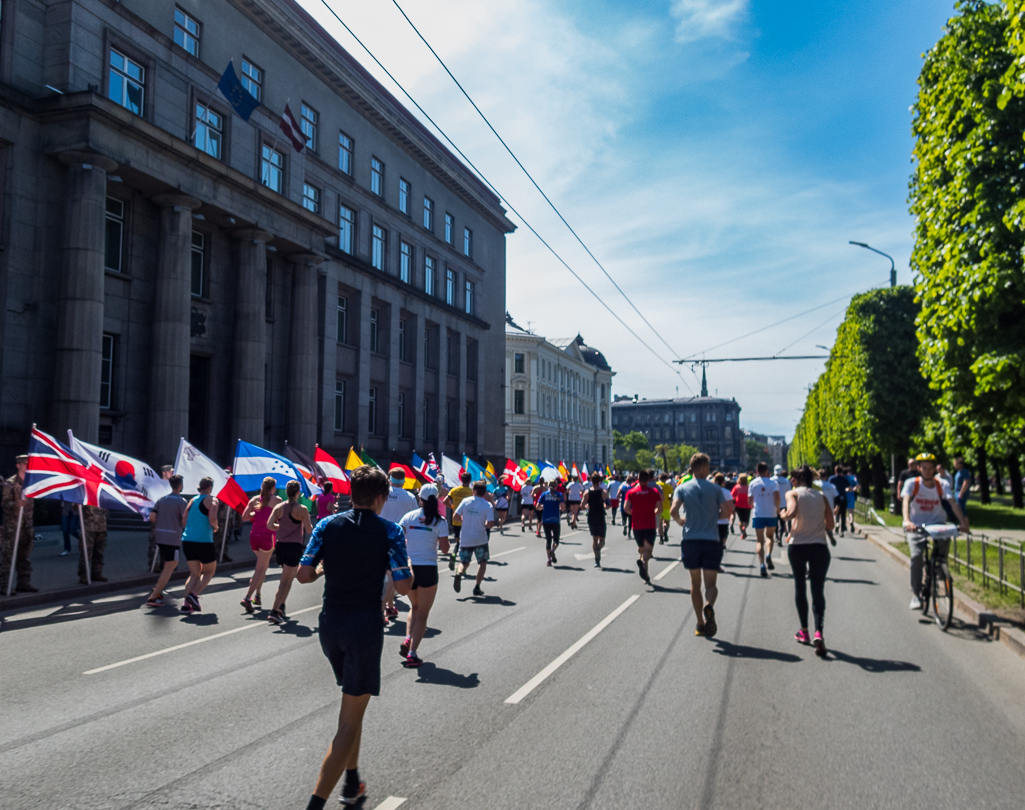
(253, 464)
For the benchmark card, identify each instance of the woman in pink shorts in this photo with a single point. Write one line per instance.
(261, 539)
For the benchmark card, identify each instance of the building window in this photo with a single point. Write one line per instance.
(186, 32)
(380, 236)
(603, 419)
(406, 262)
(377, 177)
(469, 302)
(198, 265)
(519, 401)
(402, 339)
(345, 153)
(340, 404)
(311, 198)
(401, 409)
(308, 124)
(520, 446)
(710, 416)
(272, 168)
(450, 287)
(343, 319)
(127, 82)
(209, 131)
(729, 417)
(375, 318)
(107, 372)
(115, 235)
(471, 359)
(467, 242)
(346, 229)
(450, 226)
(428, 275)
(404, 196)
(429, 213)
(372, 411)
(518, 363)
(252, 79)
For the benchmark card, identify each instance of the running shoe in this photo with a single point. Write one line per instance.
(643, 571)
(392, 611)
(192, 599)
(820, 645)
(699, 630)
(477, 591)
(257, 601)
(452, 562)
(597, 564)
(247, 605)
(711, 628)
(412, 661)
(457, 582)
(555, 560)
(916, 603)
(155, 601)
(196, 607)
(186, 608)
(404, 648)
(801, 637)
(549, 563)
(522, 529)
(356, 800)
(769, 565)
(275, 617)
(764, 572)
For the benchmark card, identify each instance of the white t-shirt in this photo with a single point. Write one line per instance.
(421, 539)
(614, 488)
(760, 492)
(399, 504)
(782, 487)
(527, 494)
(925, 507)
(829, 490)
(729, 497)
(574, 490)
(474, 512)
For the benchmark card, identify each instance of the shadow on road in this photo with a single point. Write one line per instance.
(566, 568)
(874, 664)
(617, 570)
(856, 559)
(731, 650)
(293, 628)
(200, 619)
(439, 676)
(664, 589)
(487, 600)
(841, 581)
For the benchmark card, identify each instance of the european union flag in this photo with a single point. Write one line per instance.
(240, 99)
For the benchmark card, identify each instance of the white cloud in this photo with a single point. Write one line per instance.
(708, 19)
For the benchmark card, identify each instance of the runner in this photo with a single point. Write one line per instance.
(852, 497)
(551, 504)
(724, 522)
(828, 490)
(811, 516)
(574, 494)
(290, 521)
(425, 531)
(198, 544)
(501, 495)
(841, 483)
(452, 500)
(703, 504)
(400, 503)
(742, 504)
(261, 539)
(327, 503)
(643, 503)
(631, 482)
(765, 499)
(478, 518)
(353, 551)
(664, 517)
(539, 491)
(779, 475)
(614, 486)
(597, 500)
(168, 519)
(527, 507)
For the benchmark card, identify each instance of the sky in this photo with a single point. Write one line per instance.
(716, 156)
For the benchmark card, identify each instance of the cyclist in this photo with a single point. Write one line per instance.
(926, 501)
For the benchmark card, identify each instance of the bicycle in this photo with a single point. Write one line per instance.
(938, 586)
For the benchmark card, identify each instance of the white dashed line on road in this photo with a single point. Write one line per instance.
(390, 803)
(510, 551)
(665, 570)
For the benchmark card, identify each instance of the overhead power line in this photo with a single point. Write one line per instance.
(501, 196)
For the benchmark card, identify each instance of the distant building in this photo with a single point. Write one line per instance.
(775, 446)
(708, 423)
(558, 395)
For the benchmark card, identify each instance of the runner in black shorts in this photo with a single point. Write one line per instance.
(425, 531)
(597, 500)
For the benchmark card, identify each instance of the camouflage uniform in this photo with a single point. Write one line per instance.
(12, 505)
(95, 541)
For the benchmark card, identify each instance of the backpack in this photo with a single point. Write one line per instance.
(947, 510)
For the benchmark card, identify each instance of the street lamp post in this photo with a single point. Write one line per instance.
(893, 267)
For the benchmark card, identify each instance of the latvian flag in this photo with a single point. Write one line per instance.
(292, 130)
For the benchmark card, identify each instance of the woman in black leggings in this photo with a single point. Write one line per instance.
(812, 517)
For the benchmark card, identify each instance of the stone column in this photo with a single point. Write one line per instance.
(303, 353)
(363, 371)
(482, 440)
(416, 339)
(79, 346)
(171, 325)
(461, 338)
(392, 339)
(443, 437)
(250, 337)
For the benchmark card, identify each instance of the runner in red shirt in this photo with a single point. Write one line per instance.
(643, 503)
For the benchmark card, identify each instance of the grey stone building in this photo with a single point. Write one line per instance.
(169, 269)
(708, 423)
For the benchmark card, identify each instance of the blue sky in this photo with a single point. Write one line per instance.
(716, 155)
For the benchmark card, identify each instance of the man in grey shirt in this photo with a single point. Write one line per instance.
(168, 519)
(703, 504)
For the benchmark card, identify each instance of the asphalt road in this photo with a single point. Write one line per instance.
(643, 715)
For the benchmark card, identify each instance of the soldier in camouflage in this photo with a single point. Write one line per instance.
(12, 505)
(95, 542)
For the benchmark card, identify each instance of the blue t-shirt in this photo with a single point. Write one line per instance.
(701, 499)
(549, 503)
(959, 478)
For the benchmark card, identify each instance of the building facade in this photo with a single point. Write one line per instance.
(708, 423)
(775, 447)
(558, 399)
(169, 269)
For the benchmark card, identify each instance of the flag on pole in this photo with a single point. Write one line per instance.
(531, 469)
(192, 465)
(292, 130)
(240, 99)
(423, 468)
(489, 470)
(583, 471)
(451, 470)
(55, 471)
(141, 485)
(308, 468)
(563, 472)
(253, 464)
(411, 481)
(432, 465)
(370, 461)
(514, 476)
(575, 471)
(353, 460)
(473, 468)
(332, 470)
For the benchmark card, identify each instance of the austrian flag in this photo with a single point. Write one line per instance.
(292, 130)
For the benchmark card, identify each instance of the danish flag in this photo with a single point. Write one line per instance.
(55, 471)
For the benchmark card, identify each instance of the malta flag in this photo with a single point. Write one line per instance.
(292, 130)
(332, 471)
(192, 465)
(141, 485)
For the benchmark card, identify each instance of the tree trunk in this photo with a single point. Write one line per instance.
(865, 477)
(998, 476)
(1014, 471)
(983, 474)
(879, 482)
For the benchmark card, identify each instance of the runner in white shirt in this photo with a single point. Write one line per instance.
(399, 504)
(574, 493)
(615, 485)
(425, 531)
(765, 500)
(829, 491)
(527, 507)
(478, 516)
(783, 486)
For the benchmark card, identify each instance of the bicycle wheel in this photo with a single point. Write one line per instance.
(942, 594)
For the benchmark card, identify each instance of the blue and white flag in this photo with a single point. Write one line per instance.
(253, 464)
(422, 467)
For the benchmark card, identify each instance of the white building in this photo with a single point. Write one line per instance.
(558, 399)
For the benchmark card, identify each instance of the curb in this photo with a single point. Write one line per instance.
(1012, 637)
(84, 591)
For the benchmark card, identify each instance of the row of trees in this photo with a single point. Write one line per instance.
(633, 452)
(942, 364)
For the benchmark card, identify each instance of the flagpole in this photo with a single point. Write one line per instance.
(224, 533)
(14, 552)
(153, 565)
(85, 549)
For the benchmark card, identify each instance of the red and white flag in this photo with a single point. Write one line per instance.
(193, 466)
(292, 130)
(332, 470)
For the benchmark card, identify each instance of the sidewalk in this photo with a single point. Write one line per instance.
(124, 566)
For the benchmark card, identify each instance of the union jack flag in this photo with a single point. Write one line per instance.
(432, 466)
(55, 471)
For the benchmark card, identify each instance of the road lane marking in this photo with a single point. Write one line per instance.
(584, 556)
(189, 644)
(540, 678)
(493, 556)
(390, 803)
(666, 570)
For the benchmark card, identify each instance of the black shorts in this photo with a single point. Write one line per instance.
(203, 553)
(596, 528)
(425, 576)
(743, 515)
(701, 554)
(573, 503)
(642, 536)
(527, 507)
(167, 553)
(289, 554)
(724, 531)
(456, 529)
(353, 640)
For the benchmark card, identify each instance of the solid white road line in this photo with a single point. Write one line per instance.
(190, 643)
(390, 803)
(510, 551)
(666, 570)
(540, 678)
